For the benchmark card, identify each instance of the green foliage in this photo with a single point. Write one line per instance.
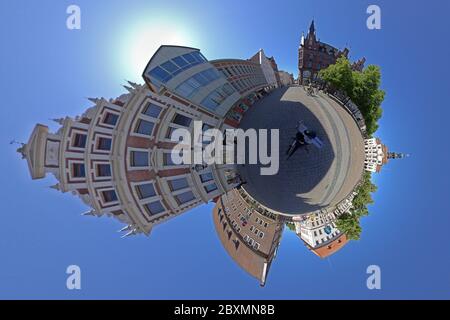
(350, 223)
(364, 196)
(361, 87)
(290, 226)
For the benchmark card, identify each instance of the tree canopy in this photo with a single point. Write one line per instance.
(350, 223)
(361, 87)
(290, 226)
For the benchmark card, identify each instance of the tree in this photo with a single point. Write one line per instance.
(361, 87)
(290, 226)
(349, 224)
(364, 195)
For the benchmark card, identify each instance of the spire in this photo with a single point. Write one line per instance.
(129, 89)
(23, 150)
(89, 213)
(395, 155)
(133, 84)
(56, 187)
(312, 28)
(129, 234)
(302, 39)
(94, 100)
(126, 228)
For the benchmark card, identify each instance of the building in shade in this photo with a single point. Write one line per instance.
(377, 155)
(248, 79)
(245, 76)
(286, 78)
(249, 234)
(117, 158)
(275, 69)
(267, 66)
(314, 55)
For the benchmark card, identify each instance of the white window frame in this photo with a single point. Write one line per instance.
(133, 168)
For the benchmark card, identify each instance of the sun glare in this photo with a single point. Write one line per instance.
(142, 42)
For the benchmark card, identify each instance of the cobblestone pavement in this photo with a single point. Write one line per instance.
(311, 179)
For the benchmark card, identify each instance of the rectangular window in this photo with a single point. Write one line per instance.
(201, 78)
(206, 126)
(154, 208)
(103, 170)
(185, 197)
(198, 56)
(146, 190)
(160, 74)
(152, 110)
(189, 58)
(223, 73)
(167, 159)
(182, 120)
(210, 75)
(139, 159)
(211, 101)
(169, 132)
(210, 187)
(180, 61)
(228, 89)
(178, 184)
(169, 66)
(186, 89)
(111, 119)
(104, 144)
(145, 127)
(109, 196)
(205, 177)
(79, 141)
(78, 170)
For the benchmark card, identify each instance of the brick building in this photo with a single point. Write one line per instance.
(314, 55)
(249, 234)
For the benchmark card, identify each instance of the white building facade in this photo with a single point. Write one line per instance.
(375, 155)
(266, 66)
(318, 229)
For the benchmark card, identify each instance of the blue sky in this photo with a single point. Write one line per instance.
(47, 71)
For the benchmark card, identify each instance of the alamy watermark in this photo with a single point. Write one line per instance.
(374, 20)
(211, 146)
(73, 281)
(374, 280)
(73, 21)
